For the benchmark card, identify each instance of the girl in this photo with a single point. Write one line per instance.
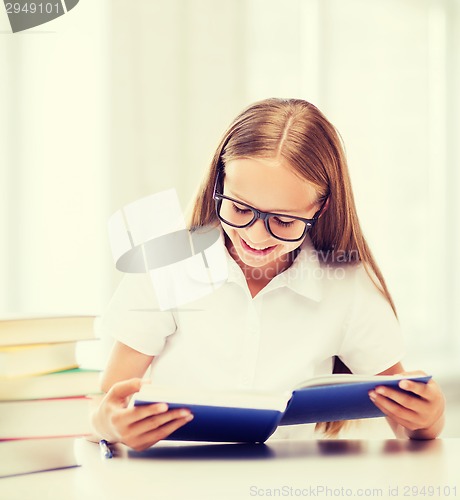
(304, 295)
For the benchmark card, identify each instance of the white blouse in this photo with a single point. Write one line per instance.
(289, 332)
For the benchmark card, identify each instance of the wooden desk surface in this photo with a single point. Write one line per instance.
(290, 469)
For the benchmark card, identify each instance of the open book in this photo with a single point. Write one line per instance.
(247, 416)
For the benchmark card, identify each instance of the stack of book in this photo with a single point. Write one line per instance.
(44, 393)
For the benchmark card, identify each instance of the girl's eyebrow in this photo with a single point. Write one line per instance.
(279, 210)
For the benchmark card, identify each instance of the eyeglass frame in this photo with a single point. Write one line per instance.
(259, 214)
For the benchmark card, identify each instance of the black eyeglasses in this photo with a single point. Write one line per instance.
(283, 227)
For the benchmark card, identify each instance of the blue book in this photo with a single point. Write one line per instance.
(251, 417)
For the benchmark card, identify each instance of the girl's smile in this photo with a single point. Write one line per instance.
(252, 250)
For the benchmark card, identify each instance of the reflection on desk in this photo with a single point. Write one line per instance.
(324, 468)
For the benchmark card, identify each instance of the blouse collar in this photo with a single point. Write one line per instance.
(302, 277)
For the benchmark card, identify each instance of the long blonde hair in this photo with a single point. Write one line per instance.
(296, 131)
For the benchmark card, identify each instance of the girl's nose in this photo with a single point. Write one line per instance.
(257, 233)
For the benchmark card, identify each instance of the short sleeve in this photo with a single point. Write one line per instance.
(134, 318)
(373, 341)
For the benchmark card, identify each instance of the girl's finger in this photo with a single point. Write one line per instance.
(405, 399)
(419, 388)
(391, 407)
(153, 422)
(401, 416)
(125, 418)
(138, 413)
(151, 437)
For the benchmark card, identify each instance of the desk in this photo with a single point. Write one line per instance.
(288, 469)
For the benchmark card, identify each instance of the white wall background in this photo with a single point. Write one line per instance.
(118, 99)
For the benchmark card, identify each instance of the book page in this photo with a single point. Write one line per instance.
(237, 399)
(350, 378)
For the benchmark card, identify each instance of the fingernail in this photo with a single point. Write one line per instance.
(380, 390)
(184, 413)
(162, 407)
(404, 384)
(190, 417)
(372, 395)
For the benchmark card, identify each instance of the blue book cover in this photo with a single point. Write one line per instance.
(227, 424)
(253, 416)
(226, 416)
(327, 403)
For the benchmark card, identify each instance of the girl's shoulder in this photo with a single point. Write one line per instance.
(335, 273)
(330, 265)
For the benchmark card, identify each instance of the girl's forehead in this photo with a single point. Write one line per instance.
(268, 184)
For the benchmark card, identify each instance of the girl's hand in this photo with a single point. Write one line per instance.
(138, 427)
(420, 411)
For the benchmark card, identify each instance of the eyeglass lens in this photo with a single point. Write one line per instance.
(240, 215)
